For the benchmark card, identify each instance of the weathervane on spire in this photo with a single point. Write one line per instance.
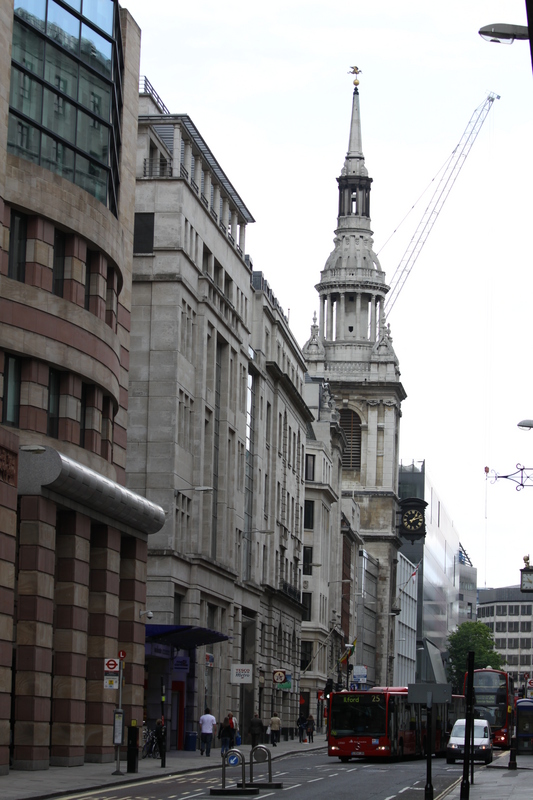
(355, 71)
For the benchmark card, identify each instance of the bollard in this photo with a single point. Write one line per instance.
(512, 754)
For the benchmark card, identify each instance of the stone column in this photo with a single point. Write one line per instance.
(329, 320)
(97, 300)
(321, 316)
(34, 377)
(104, 580)
(70, 640)
(207, 187)
(131, 628)
(373, 318)
(358, 315)
(111, 301)
(35, 613)
(234, 224)
(9, 445)
(176, 152)
(187, 159)
(69, 408)
(242, 237)
(40, 253)
(341, 317)
(198, 172)
(216, 201)
(74, 277)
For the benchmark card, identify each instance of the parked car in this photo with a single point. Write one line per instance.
(482, 750)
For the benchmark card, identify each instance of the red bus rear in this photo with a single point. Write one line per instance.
(494, 701)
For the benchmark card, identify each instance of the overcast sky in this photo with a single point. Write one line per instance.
(268, 88)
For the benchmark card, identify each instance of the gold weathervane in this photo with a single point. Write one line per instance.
(355, 71)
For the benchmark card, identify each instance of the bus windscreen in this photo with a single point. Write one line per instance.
(363, 714)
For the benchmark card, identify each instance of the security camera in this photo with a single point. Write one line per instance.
(150, 614)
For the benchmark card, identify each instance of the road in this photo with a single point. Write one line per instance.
(300, 774)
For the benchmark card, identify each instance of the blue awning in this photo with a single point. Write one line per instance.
(184, 637)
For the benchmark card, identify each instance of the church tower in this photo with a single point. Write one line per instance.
(351, 350)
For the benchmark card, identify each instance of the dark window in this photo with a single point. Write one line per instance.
(351, 425)
(525, 660)
(512, 627)
(514, 611)
(309, 514)
(59, 263)
(53, 403)
(309, 467)
(525, 644)
(512, 644)
(306, 602)
(306, 654)
(143, 233)
(11, 399)
(526, 610)
(308, 561)
(501, 627)
(525, 627)
(501, 611)
(17, 247)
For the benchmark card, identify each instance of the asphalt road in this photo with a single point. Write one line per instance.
(302, 775)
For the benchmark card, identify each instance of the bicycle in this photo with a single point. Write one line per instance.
(151, 746)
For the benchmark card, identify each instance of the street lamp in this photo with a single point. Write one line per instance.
(502, 33)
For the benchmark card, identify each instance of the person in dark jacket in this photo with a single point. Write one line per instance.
(226, 736)
(255, 729)
(310, 728)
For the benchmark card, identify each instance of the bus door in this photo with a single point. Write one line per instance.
(392, 727)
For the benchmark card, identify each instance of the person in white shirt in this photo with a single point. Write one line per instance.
(207, 725)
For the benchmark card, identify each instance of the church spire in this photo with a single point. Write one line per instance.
(352, 288)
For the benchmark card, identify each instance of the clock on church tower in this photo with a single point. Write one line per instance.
(412, 518)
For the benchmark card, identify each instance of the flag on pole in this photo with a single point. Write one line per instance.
(348, 653)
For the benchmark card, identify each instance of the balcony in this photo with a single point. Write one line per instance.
(291, 591)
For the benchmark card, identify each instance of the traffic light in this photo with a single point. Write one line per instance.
(329, 688)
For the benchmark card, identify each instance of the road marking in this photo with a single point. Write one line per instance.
(314, 780)
(405, 789)
(353, 769)
(292, 787)
(390, 797)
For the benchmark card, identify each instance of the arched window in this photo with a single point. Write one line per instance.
(351, 425)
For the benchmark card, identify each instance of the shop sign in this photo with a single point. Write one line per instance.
(242, 673)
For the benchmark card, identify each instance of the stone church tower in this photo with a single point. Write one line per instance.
(351, 349)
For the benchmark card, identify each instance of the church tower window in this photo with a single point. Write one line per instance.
(351, 425)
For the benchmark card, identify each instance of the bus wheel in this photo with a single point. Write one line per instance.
(344, 759)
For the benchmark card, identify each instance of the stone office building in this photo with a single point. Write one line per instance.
(217, 430)
(73, 539)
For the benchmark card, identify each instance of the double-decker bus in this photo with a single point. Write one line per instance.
(494, 701)
(381, 722)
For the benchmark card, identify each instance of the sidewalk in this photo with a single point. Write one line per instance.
(497, 781)
(22, 784)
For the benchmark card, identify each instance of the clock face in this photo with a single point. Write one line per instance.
(413, 520)
(526, 582)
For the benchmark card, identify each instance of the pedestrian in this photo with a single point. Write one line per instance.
(301, 723)
(310, 728)
(255, 729)
(207, 724)
(225, 734)
(160, 736)
(275, 728)
(234, 722)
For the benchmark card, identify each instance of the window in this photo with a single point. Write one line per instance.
(351, 425)
(501, 627)
(512, 644)
(143, 233)
(11, 399)
(306, 602)
(512, 661)
(309, 467)
(268, 431)
(53, 403)
(309, 514)
(525, 660)
(501, 611)
(525, 644)
(308, 561)
(514, 611)
(500, 643)
(59, 263)
(512, 627)
(525, 626)
(17, 247)
(306, 654)
(490, 625)
(526, 610)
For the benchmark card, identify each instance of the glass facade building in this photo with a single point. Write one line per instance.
(66, 91)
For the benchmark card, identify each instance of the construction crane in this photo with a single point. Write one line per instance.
(444, 187)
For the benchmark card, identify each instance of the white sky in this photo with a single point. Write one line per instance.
(269, 90)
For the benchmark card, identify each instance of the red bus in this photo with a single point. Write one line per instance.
(381, 722)
(494, 701)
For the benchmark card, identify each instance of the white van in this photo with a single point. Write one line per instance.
(482, 742)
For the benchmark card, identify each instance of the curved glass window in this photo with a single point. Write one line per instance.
(66, 89)
(63, 27)
(61, 71)
(33, 11)
(96, 51)
(100, 12)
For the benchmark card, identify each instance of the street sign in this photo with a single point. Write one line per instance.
(530, 684)
(111, 665)
(122, 654)
(418, 692)
(279, 675)
(111, 683)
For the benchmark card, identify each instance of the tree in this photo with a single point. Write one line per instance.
(470, 636)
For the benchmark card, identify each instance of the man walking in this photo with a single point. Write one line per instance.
(207, 726)
(255, 729)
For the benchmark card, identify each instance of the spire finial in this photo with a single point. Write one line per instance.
(355, 71)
